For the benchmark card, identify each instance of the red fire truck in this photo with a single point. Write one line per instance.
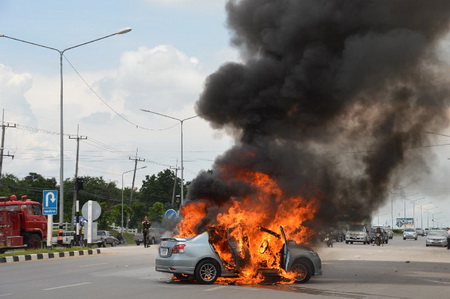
(22, 224)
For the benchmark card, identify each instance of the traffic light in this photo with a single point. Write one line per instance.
(79, 184)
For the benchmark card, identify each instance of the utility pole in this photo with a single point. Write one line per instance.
(136, 160)
(77, 185)
(4, 126)
(174, 182)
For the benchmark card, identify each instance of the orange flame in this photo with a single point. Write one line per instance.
(240, 234)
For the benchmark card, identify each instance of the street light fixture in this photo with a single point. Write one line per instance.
(61, 54)
(121, 228)
(181, 125)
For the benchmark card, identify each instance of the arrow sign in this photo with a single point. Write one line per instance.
(50, 202)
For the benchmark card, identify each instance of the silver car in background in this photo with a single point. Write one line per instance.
(410, 233)
(436, 238)
(195, 257)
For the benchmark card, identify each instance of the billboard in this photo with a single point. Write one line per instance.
(405, 222)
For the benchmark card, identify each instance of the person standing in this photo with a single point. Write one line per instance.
(145, 230)
(448, 238)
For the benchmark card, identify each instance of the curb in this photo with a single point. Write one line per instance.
(43, 256)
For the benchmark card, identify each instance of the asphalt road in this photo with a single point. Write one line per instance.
(401, 269)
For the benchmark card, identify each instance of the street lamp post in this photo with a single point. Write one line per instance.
(414, 209)
(181, 141)
(61, 54)
(121, 229)
(421, 213)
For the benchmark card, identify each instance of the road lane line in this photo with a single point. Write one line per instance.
(435, 281)
(67, 286)
(215, 288)
(4, 295)
(93, 265)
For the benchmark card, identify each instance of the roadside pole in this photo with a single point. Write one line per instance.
(90, 222)
(49, 230)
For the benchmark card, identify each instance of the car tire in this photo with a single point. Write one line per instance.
(207, 271)
(303, 269)
(404, 238)
(346, 242)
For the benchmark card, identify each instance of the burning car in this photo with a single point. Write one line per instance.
(220, 252)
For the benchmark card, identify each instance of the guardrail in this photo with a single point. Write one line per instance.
(68, 226)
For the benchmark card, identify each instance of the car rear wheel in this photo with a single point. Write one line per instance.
(207, 272)
(302, 270)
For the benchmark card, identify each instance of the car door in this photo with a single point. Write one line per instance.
(285, 250)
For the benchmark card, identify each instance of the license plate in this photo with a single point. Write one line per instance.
(163, 251)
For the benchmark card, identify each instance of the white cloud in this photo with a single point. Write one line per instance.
(162, 79)
(13, 86)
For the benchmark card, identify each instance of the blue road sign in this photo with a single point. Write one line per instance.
(50, 202)
(171, 215)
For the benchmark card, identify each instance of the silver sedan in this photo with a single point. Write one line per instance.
(196, 258)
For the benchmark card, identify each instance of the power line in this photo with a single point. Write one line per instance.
(110, 107)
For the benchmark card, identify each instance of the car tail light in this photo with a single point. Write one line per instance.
(178, 248)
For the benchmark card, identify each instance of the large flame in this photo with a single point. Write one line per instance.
(246, 231)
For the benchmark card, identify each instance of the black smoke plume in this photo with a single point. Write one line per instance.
(333, 99)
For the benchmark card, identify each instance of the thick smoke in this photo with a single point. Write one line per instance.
(333, 99)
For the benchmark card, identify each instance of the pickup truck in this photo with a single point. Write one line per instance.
(67, 239)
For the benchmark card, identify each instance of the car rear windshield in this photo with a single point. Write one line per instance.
(357, 228)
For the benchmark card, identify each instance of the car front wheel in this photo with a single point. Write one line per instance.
(302, 270)
(207, 272)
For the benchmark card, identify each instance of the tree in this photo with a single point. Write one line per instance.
(32, 185)
(156, 212)
(159, 188)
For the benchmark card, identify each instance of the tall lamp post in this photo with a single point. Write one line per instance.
(121, 229)
(181, 125)
(61, 54)
(421, 213)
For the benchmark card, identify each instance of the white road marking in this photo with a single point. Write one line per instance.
(4, 295)
(67, 286)
(93, 265)
(435, 281)
(215, 288)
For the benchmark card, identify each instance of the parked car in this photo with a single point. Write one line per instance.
(436, 238)
(195, 257)
(104, 238)
(357, 233)
(409, 233)
(153, 236)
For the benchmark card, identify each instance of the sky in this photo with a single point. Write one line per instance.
(161, 66)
